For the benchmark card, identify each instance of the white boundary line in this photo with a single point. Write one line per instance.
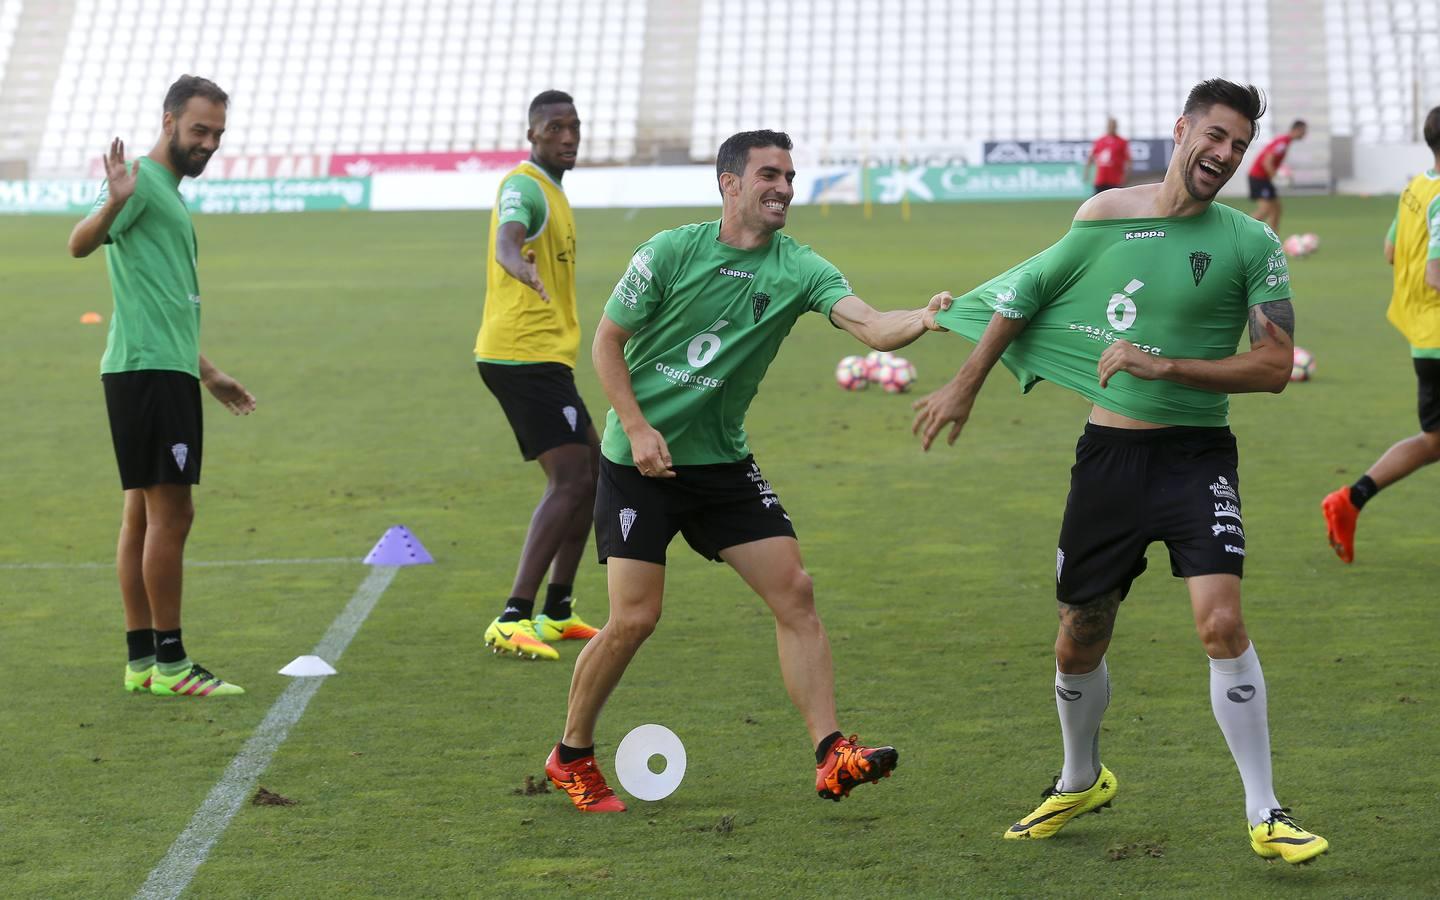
(199, 564)
(174, 873)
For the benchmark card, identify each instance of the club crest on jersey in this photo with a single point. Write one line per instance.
(627, 518)
(1199, 262)
(759, 301)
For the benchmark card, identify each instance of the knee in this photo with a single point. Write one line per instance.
(1431, 440)
(1074, 658)
(1222, 631)
(633, 627)
(575, 484)
(795, 603)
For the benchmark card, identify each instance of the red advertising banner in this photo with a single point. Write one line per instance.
(358, 165)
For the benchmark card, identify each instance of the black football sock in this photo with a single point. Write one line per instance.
(1362, 490)
(557, 601)
(570, 754)
(824, 749)
(141, 644)
(517, 608)
(168, 647)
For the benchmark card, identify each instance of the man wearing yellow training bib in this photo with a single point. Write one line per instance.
(525, 351)
(1413, 247)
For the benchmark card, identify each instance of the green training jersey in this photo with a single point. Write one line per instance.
(152, 255)
(1178, 287)
(706, 320)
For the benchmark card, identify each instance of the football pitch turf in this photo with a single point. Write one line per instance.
(933, 575)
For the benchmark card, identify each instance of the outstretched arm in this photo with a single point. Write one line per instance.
(521, 266)
(952, 403)
(888, 330)
(1264, 367)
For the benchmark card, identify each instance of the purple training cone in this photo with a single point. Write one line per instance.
(398, 547)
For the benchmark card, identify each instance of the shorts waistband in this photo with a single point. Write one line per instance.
(1154, 435)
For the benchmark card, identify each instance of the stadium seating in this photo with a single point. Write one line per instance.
(860, 76)
(1384, 66)
(347, 76)
(9, 16)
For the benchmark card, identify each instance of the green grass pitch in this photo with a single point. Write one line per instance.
(933, 575)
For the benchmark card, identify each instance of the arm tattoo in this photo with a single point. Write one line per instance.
(1281, 312)
(1091, 622)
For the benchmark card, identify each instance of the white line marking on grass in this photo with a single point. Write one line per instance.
(174, 873)
(200, 564)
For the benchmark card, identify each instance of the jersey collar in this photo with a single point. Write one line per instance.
(544, 174)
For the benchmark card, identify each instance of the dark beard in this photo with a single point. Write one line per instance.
(183, 162)
(1194, 191)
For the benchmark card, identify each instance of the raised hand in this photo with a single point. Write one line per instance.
(120, 177)
(951, 404)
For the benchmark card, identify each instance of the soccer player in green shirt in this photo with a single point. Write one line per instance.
(152, 372)
(685, 340)
(1139, 309)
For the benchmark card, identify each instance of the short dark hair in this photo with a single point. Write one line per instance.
(1246, 99)
(1298, 123)
(187, 86)
(735, 152)
(548, 98)
(1432, 130)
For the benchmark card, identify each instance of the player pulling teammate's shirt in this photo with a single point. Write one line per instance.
(1414, 305)
(517, 325)
(152, 256)
(1178, 287)
(707, 319)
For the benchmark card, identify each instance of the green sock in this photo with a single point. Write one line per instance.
(174, 668)
(140, 665)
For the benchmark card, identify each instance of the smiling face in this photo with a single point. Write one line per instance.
(194, 135)
(555, 136)
(1209, 145)
(760, 198)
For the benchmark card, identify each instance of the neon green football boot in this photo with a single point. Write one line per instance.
(1060, 807)
(1280, 836)
(197, 681)
(518, 638)
(138, 681)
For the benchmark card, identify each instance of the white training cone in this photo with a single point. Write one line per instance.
(632, 762)
(307, 666)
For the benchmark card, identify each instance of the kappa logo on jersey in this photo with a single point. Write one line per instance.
(181, 453)
(735, 273)
(571, 415)
(759, 301)
(627, 518)
(1138, 235)
(1199, 262)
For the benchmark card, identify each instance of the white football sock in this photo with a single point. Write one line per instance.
(1237, 696)
(1081, 701)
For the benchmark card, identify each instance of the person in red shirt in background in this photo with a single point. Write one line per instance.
(1111, 158)
(1262, 175)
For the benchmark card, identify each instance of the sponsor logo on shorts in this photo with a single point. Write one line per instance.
(1221, 488)
(571, 415)
(1228, 509)
(627, 518)
(1241, 693)
(181, 453)
(1059, 562)
(1226, 528)
(1139, 235)
(1067, 694)
(767, 494)
(1231, 548)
